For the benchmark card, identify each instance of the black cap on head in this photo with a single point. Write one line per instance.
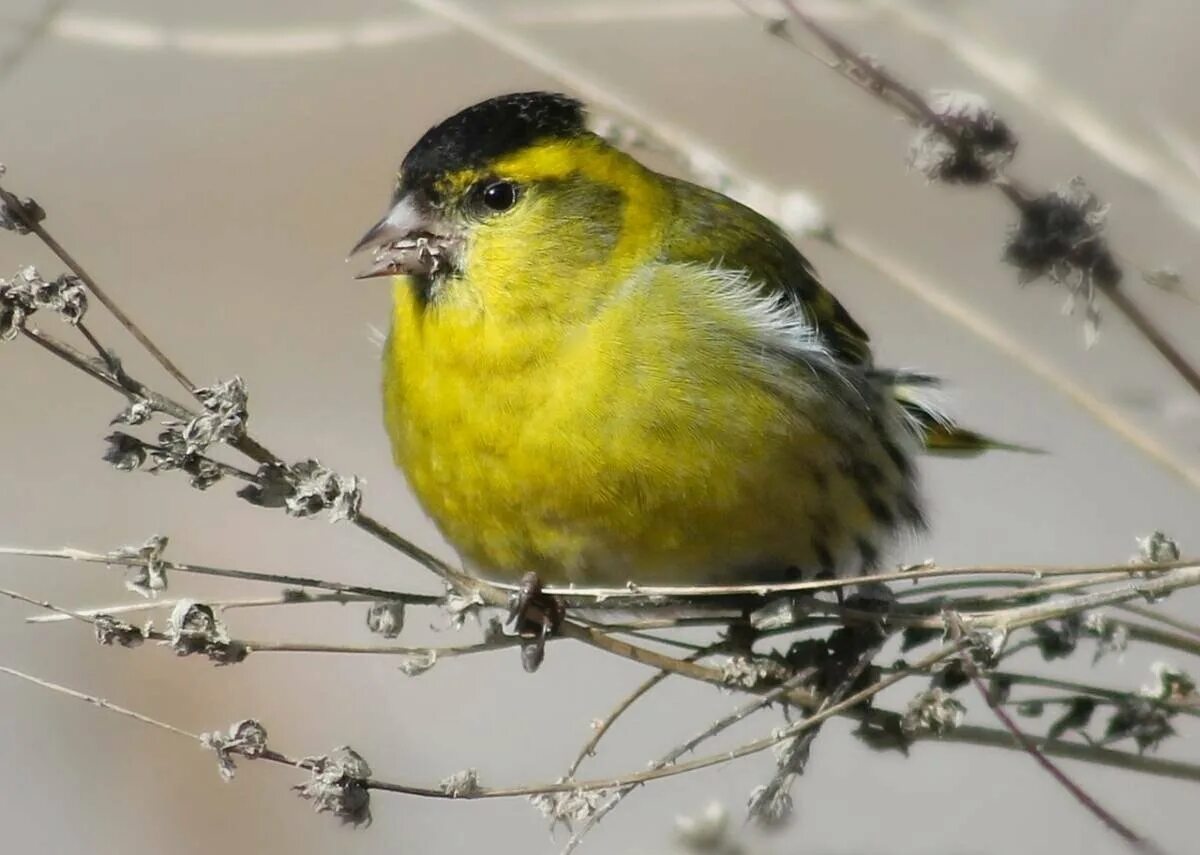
(488, 130)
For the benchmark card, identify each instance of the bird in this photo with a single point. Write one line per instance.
(607, 376)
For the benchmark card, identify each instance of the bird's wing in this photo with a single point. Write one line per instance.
(710, 228)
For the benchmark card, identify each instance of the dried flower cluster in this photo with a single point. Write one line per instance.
(149, 575)
(968, 144)
(18, 215)
(246, 738)
(461, 784)
(183, 445)
(305, 489)
(386, 618)
(935, 710)
(339, 786)
(111, 631)
(194, 628)
(568, 807)
(27, 293)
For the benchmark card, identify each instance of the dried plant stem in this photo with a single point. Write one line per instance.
(1159, 586)
(85, 557)
(994, 334)
(1175, 623)
(458, 580)
(1175, 641)
(1153, 333)
(1022, 589)
(784, 692)
(1137, 841)
(1114, 696)
(13, 204)
(431, 653)
(724, 723)
(268, 754)
(589, 747)
(1023, 82)
(101, 353)
(664, 594)
(98, 702)
(448, 652)
(1166, 578)
(34, 31)
(118, 381)
(66, 614)
(976, 735)
(219, 605)
(245, 444)
(74, 358)
(886, 87)
(963, 734)
(682, 667)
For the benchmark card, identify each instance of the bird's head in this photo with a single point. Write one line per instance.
(512, 190)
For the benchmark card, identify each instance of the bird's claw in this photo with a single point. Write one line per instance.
(534, 616)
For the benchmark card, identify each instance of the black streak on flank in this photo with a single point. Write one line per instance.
(481, 133)
(868, 553)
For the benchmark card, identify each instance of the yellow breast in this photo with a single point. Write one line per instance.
(652, 443)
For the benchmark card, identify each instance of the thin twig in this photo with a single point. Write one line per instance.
(245, 443)
(1023, 81)
(13, 204)
(985, 328)
(227, 573)
(1158, 586)
(74, 358)
(66, 614)
(430, 653)
(661, 662)
(664, 594)
(1137, 841)
(886, 87)
(792, 760)
(720, 725)
(1151, 331)
(286, 599)
(1154, 635)
(1167, 620)
(101, 352)
(604, 724)
(964, 734)
(266, 754)
(99, 702)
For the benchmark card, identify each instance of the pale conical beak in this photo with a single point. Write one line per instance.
(405, 242)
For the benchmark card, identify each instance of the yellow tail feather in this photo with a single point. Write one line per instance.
(939, 433)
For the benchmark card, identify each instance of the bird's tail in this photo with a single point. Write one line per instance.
(940, 434)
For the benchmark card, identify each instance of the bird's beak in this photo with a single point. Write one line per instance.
(406, 242)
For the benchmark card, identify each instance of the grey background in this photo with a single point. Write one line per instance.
(213, 162)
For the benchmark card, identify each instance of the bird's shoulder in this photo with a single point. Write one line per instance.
(707, 227)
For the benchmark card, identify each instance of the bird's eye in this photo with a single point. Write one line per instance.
(500, 195)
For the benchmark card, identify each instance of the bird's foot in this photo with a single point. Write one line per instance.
(534, 616)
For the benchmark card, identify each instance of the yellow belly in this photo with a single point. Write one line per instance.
(641, 446)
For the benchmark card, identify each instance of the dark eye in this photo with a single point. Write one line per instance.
(500, 195)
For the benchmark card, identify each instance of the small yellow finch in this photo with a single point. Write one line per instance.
(602, 374)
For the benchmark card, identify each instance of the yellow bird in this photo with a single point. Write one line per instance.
(602, 374)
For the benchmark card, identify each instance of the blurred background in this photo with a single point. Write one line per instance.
(212, 163)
